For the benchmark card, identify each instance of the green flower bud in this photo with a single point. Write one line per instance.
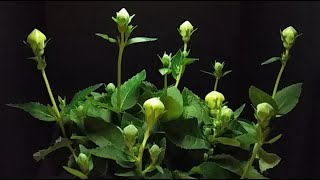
(80, 108)
(186, 29)
(135, 150)
(205, 157)
(83, 162)
(214, 99)
(207, 131)
(226, 114)
(218, 68)
(166, 60)
(122, 17)
(36, 40)
(264, 113)
(154, 152)
(210, 152)
(111, 88)
(153, 108)
(130, 133)
(288, 37)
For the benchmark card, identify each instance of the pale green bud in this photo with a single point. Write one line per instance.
(207, 131)
(36, 40)
(166, 60)
(214, 99)
(154, 152)
(153, 108)
(218, 68)
(130, 132)
(264, 112)
(186, 29)
(111, 88)
(205, 157)
(83, 162)
(122, 17)
(288, 37)
(226, 114)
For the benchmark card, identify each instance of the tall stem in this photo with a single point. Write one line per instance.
(165, 83)
(121, 48)
(141, 149)
(60, 119)
(185, 45)
(216, 84)
(284, 62)
(253, 156)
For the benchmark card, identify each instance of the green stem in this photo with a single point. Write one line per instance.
(165, 83)
(141, 149)
(148, 168)
(185, 45)
(216, 84)
(253, 156)
(284, 62)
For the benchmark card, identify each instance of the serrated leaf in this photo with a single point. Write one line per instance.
(112, 152)
(271, 60)
(80, 96)
(194, 107)
(102, 105)
(106, 37)
(173, 104)
(104, 133)
(148, 86)
(267, 160)
(164, 71)
(98, 112)
(165, 175)
(211, 170)
(288, 98)
(258, 96)
(130, 92)
(75, 172)
(228, 141)
(246, 140)
(185, 133)
(140, 40)
(237, 112)
(249, 127)
(59, 143)
(273, 140)
(35, 109)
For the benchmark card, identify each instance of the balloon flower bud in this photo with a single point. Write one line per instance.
(130, 132)
(288, 36)
(111, 88)
(36, 40)
(83, 162)
(264, 113)
(153, 108)
(214, 99)
(186, 30)
(154, 152)
(226, 114)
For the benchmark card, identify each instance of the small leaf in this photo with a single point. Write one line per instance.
(267, 160)
(237, 112)
(211, 170)
(212, 74)
(140, 40)
(288, 98)
(258, 96)
(130, 92)
(127, 174)
(271, 60)
(35, 109)
(59, 143)
(228, 141)
(75, 172)
(103, 105)
(165, 175)
(187, 61)
(160, 169)
(164, 71)
(225, 73)
(106, 37)
(273, 140)
(250, 128)
(176, 59)
(111, 152)
(173, 103)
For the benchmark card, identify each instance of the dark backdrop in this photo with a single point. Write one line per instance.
(243, 34)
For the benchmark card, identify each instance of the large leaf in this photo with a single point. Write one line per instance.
(59, 143)
(271, 60)
(81, 95)
(36, 109)
(228, 141)
(104, 133)
(194, 107)
(185, 133)
(165, 175)
(112, 152)
(130, 92)
(267, 160)
(211, 170)
(288, 98)
(237, 112)
(258, 96)
(75, 172)
(140, 40)
(106, 37)
(173, 103)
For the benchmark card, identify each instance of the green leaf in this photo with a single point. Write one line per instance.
(267, 160)
(98, 112)
(187, 61)
(173, 103)
(210, 73)
(106, 37)
(249, 127)
(163, 145)
(103, 105)
(75, 172)
(160, 169)
(80, 96)
(194, 107)
(246, 140)
(59, 143)
(131, 173)
(112, 152)
(211, 170)
(258, 96)
(271, 60)
(288, 98)
(148, 86)
(130, 92)
(185, 133)
(228, 141)
(140, 40)
(225, 73)
(176, 174)
(273, 140)
(104, 133)
(35, 109)
(165, 175)
(176, 59)
(164, 71)
(237, 112)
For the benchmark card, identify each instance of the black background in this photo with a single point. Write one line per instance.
(243, 34)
